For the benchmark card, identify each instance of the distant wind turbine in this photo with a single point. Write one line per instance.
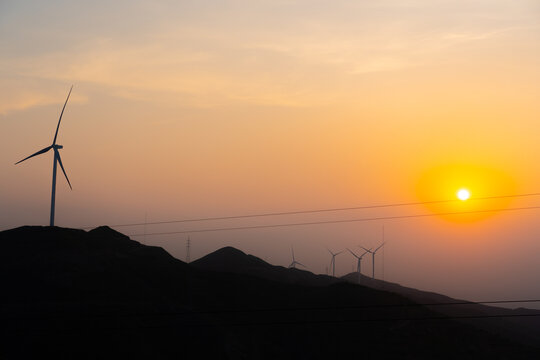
(294, 262)
(56, 159)
(333, 261)
(359, 264)
(373, 257)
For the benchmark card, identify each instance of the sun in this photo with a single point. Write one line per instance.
(469, 190)
(463, 194)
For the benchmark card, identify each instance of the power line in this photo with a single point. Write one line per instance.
(363, 307)
(312, 211)
(313, 308)
(224, 322)
(375, 319)
(335, 221)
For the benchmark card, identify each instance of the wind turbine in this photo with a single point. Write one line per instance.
(56, 159)
(373, 257)
(359, 264)
(333, 261)
(294, 262)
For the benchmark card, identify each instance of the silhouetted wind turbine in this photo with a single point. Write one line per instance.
(373, 257)
(56, 159)
(294, 262)
(333, 261)
(359, 264)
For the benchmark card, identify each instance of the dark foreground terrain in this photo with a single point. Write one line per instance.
(71, 294)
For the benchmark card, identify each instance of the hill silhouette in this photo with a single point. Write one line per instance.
(229, 259)
(74, 294)
(516, 325)
(522, 329)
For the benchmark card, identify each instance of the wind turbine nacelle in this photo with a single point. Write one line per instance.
(58, 147)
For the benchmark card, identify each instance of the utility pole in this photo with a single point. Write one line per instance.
(145, 221)
(383, 240)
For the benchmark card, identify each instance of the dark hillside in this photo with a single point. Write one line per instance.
(87, 295)
(229, 259)
(520, 324)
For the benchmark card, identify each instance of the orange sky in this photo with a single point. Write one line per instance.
(195, 109)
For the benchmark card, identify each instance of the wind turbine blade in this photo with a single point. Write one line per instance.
(60, 119)
(356, 256)
(365, 248)
(301, 264)
(380, 246)
(57, 154)
(339, 253)
(330, 251)
(38, 153)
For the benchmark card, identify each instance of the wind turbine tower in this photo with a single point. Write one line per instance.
(333, 261)
(56, 159)
(294, 262)
(359, 263)
(188, 250)
(373, 257)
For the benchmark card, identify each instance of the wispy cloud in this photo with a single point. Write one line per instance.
(300, 60)
(22, 93)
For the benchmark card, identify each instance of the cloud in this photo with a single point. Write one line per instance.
(22, 93)
(165, 72)
(298, 58)
(23, 100)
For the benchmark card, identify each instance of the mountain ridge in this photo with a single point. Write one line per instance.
(526, 330)
(77, 294)
(236, 261)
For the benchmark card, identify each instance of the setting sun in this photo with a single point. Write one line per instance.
(464, 182)
(463, 194)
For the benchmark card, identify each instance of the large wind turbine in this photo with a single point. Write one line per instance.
(333, 261)
(294, 262)
(359, 264)
(56, 159)
(373, 257)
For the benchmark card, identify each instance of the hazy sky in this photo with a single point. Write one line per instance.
(187, 109)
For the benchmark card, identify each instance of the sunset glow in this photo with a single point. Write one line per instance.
(194, 110)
